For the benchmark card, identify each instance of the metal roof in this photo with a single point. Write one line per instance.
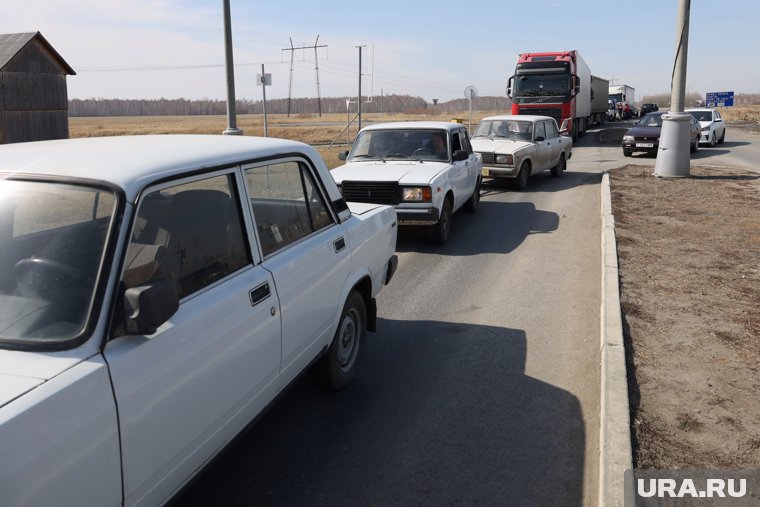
(12, 43)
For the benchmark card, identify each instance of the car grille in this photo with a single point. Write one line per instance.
(375, 192)
(647, 139)
(553, 112)
(488, 158)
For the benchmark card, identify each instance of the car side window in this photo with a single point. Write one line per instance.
(287, 204)
(551, 130)
(717, 116)
(190, 234)
(456, 143)
(540, 130)
(465, 141)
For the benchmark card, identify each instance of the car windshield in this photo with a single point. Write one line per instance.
(650, 120)
(52, 243)
(401, 144)
(702, 115)
(517, 130)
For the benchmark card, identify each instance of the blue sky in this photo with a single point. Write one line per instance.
(174, 48)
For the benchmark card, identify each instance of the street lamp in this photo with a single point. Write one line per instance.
(673, 153)
(231, 119)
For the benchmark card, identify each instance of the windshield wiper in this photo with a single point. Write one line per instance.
(363, 156)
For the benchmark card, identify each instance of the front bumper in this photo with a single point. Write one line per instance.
(499, 172)
(704, 137)
(417, 216)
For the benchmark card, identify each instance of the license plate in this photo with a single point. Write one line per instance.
(486, 172)
(645, 145)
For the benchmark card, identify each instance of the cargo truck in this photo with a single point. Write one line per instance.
(624, 96)
(558, 84)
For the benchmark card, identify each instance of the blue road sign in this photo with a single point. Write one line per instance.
(719, 99)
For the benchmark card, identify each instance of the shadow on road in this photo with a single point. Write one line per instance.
(440, 414)
(497, 227)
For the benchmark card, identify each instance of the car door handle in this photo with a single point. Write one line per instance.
(339, 244)
(259, 294)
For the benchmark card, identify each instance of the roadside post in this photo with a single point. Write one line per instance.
(231, 117)
(673, 159)
(470, 93)
(264, 80)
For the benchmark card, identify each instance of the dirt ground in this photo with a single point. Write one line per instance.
(689, 256)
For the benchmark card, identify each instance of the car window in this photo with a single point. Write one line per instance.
(287, 204)
(551, 130)
(717, 116)
(465, 141)
(190, 234)
(456, 143)
(540, 130)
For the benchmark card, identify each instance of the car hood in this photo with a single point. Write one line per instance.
(704, 124)
(360, 208)
(20, 372)
(406, 173)
(644, 132)
(498, 145)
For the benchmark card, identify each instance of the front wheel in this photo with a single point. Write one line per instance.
(439, 232)
(722, 137)
(627, 153)
(473, 203)
(558, 169)
(713, 140)
(522, 177)
(336, 369)
(695, 145)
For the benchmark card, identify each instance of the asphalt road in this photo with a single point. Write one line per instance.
(481, 386)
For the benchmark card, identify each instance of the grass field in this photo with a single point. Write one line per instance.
(311, 129)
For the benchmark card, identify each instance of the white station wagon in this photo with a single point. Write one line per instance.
(158, 292)
(514, 147)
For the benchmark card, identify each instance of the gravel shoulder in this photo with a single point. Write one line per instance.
(690, 300)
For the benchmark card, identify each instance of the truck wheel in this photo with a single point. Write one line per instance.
(336, 369)
(439, 232)
(522, 177)
(473, 203)
(558, 169)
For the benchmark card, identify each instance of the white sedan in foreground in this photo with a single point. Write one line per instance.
(157, 293)
(515, 147)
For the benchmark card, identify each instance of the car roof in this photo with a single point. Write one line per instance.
(133, 162)
(700, 109)
(524, 117)
(446, 125)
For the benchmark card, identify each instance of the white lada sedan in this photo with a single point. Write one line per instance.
(156, 293)
(514, 147)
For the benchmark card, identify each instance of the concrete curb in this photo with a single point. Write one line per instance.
(615, 455)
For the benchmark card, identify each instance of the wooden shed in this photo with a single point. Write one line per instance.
(34, 102)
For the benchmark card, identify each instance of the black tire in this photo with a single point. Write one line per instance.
(521, 181)
(722, 137)
(694, 146)
(439, 232)
(473, 203)
(713, 140)
(558, 169)
(627, 153)
(336, 369)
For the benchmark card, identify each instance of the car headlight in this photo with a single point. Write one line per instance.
(504, 159)
(416, 194)
(706, 129)
(628, 139)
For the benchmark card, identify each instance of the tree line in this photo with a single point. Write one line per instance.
(179, 107)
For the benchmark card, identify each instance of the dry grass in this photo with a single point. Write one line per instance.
(741, 113)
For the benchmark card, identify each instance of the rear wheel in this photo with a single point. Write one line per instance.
(439, 232)
(337, 368)
(558, 169)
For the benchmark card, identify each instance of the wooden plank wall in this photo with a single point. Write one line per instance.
(33, 97)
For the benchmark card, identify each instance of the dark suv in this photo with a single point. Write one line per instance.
(648, 108)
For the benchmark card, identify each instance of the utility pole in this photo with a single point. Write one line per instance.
(264, 82)
(231, 116)
(673, 153)
(359, 101)
(316, 67)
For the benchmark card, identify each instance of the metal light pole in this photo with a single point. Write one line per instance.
(231, 119)
(359, 101)
(673, 153)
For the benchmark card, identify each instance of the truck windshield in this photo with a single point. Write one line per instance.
(617, 96)
(401, 144)
(52, 243)
(542, 85)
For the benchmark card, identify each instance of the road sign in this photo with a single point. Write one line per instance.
(264, 79)
(719, 99)
(470, 92)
